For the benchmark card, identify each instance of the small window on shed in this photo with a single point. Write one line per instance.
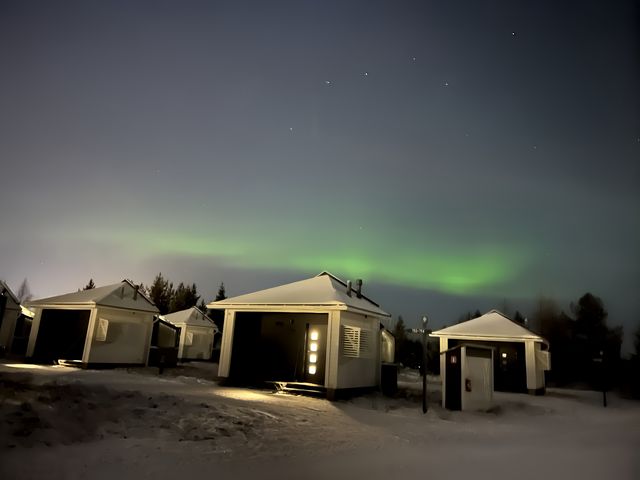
(103, 328)
(350, 341)
(188, 339)
(356, 342)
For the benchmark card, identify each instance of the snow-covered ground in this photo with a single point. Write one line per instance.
(60, 422)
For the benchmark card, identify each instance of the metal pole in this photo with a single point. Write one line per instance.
(603, 379)
(424, 363)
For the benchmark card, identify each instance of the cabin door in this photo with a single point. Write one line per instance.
(315, 353)
(453, 394)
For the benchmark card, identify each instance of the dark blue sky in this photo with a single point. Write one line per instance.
(452, 154)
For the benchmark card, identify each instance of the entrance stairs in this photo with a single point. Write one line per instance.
(300, 388)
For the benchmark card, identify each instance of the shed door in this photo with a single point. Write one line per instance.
(510, 368)
(316, 339)
(61, 335)
(453, 397)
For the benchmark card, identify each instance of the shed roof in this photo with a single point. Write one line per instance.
(492, 325)
(118, 295)
(5, 290)
(191, 317)
(324, 289)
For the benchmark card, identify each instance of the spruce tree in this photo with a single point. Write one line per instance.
(161, 292)
(221, 295)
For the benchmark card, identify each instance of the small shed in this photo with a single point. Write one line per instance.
(319, 332)
(104, 326)
(469, 377)
(520, 357)
(10, 311)
(197, 333)
(165, 342)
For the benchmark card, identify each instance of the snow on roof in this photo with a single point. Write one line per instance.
(191, 316)
(491, 325)
(5, 290)
(119, 295)
(324, 289)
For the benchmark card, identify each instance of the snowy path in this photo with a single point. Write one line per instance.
(108, 424)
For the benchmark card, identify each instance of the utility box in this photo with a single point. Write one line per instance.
(468, 380)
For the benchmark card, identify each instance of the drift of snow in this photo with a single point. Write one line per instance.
(60, 422)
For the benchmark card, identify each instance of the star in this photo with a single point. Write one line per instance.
(365, 74)
(445, 84)
(291, 129)
(327, 82)
(513, 34)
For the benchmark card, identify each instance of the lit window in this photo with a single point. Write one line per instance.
(314, 335)
(313, 358)
(313, 347)
(312, 369)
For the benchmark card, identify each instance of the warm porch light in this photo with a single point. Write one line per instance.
(312, 369)
(313, 347)
(313, 358)
(314, 335)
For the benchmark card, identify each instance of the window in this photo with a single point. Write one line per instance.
(103, 328)
(356, 342)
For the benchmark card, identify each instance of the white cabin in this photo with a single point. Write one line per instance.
(319, 331)
(104, 326)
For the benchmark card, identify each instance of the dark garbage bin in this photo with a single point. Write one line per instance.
(389, 379)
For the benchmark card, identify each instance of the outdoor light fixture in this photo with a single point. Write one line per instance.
(504, 355)
(312, 351)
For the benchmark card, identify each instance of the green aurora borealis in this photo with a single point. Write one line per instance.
(455, 269)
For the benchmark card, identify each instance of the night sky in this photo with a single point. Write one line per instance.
(453, 154)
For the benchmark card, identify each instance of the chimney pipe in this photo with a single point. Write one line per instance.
(359, 288)
(135, 292)
(349, 287)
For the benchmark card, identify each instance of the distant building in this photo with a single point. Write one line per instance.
(197, 333)
(318, 332)
(520, 355)
(104, 326)
(10, 311)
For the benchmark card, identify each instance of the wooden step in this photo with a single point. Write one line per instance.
(300, 388)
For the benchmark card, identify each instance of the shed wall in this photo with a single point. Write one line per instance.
(201, 344)
(9, 313)
(363, 371)
(128, 337)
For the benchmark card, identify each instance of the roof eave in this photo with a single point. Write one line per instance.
(61, 304)
(293, 306)
(472, 336)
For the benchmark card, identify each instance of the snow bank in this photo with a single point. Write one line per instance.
(60, 423)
